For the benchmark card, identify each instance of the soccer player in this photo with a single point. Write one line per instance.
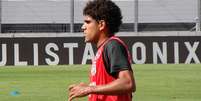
(111, 76)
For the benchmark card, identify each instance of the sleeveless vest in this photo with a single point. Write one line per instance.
(99, 75)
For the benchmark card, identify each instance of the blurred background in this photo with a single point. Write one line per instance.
(60, 16)
(163, 37)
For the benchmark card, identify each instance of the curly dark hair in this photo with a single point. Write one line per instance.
(105, 10)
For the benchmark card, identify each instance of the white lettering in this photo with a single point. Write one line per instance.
(192, 54)
(70, 46)
(143, 53)
(88, 53)
(54, 55)
(16, 56)
(35, 54)
(4, 55)
(176, 52)
(158, 52)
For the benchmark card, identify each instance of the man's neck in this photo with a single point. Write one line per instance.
(101, 40)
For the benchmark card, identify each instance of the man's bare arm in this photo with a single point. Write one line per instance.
(125, 83)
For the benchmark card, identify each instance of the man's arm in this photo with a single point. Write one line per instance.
(125, 83)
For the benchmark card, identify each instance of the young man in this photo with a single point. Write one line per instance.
(111, 76)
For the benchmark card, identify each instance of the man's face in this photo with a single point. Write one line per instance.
(90, 29)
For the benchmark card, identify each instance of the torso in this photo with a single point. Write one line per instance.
(99, 76)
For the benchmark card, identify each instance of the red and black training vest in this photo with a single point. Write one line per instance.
(99, 75)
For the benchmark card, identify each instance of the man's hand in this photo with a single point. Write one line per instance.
(79, 90)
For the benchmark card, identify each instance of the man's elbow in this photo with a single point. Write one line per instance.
(131, 87)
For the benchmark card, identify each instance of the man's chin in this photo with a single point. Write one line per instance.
(86, 40)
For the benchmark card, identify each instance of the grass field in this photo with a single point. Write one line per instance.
(49, 83)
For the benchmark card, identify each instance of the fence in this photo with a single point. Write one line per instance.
(25, 16)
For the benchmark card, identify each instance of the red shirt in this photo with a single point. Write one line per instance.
(99, 76)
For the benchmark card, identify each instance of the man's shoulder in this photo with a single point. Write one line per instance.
(113, 43)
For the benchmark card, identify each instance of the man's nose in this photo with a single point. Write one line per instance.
(83, 27)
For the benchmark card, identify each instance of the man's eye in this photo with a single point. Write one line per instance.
(87, 22)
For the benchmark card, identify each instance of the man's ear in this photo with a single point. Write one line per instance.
(102, 25)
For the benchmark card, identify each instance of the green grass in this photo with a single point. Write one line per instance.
(49, 83)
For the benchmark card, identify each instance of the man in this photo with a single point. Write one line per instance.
(111, 76)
